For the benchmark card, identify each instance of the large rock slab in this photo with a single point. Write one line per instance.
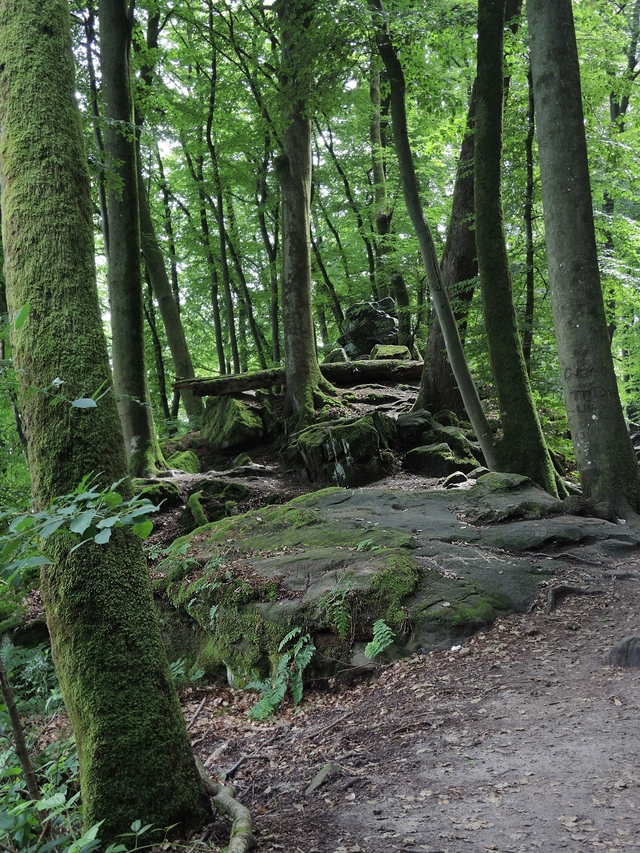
(335, 561)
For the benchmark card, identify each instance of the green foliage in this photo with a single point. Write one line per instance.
(288, 675)
(87, 514)
(383, 636)
(179, 675)
(340, 605)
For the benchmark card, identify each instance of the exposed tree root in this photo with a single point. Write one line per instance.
(556, 593)
(242, 837)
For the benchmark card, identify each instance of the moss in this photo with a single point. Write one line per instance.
(393, 585)
(386, 351)
(230, 423)
(195, 507)
(186, 461)
(158, 492)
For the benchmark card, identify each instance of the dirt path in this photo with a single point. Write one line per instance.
(521, 740)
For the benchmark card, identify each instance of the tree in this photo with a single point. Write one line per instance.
(305, 383)
(606, 461)
(439, 295)
(136, 761)
(522, 448)
(123, 250)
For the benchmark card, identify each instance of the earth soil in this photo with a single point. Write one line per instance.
(521, 738)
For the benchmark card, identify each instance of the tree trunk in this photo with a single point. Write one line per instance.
(522, 449)
(459, 268)
(125, 274)
(606, 461)
(439, 295)
(345, 374)
(163, 292)
(136, 761)
(293, 169)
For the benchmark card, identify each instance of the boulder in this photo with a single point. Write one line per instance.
(368, 324)
(383, 351)
(412, 426)
(159, 492)
(186, 461)
(437, 460)
(231, 423)
(625, 653)
(346, 452)
(336, 356)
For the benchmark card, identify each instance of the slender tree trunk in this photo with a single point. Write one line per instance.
(125, 274)
(168, 230)
(163, 292)
(606, 461)
(527, 335)
(522, 449)
(150, 316)
(439, 294)
(293, 168)
(136, 761)
(459, 267)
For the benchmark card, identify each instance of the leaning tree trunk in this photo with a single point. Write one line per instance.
(293, 169)
(439, 294)
(125, 273)
(136, 761)
(438, 388)
(522, 449)
(606, 461)
(163, 292)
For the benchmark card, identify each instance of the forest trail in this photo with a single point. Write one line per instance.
(521, 739)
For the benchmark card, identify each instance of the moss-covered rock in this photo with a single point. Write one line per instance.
(411, 428)
(346, 452)
(336, 356)
(232, 423)
(437, 460)
(385, 351)
(159, 492)
(186, 461)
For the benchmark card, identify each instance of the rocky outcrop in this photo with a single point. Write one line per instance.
(368, 324)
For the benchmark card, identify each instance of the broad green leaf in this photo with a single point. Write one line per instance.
(103, 536)
(84, 403)
(107, 522)
(143, 528)
(82, 522)
(50, 528)
(52, 802)
(112, 499)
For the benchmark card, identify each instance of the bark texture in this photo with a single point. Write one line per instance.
(411, 194)
(136, 760)
(607, 464)
(522, 449)
(125, 274)
(293, 169)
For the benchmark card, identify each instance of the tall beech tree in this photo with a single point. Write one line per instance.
(411, 194)
(135, 756)
(606, 461)
(522, 448)
(123, 252)
(305, 384)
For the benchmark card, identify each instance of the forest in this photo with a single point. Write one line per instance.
(349, 240)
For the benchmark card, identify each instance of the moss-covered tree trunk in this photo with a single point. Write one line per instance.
(522, 449)
(136, 761)
(293, 169)
(125, 273)
(606, 461)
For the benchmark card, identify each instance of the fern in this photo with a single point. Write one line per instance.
(383, 636)
(288, 675)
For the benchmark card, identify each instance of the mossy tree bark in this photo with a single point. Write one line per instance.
(136, 761)
(606, 461)
(123, 257)
(305, 383)
(522, 449)
(411, 194)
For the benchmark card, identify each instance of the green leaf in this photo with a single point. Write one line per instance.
(50, 528)
(112, 499)
(107, 522)
(84, 403)
(53, 802)
(82, 522)
(21, 316)
(103, 536)
(143, 528)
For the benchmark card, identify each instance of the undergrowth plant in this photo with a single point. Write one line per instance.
(295, 657)
(383, 636)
